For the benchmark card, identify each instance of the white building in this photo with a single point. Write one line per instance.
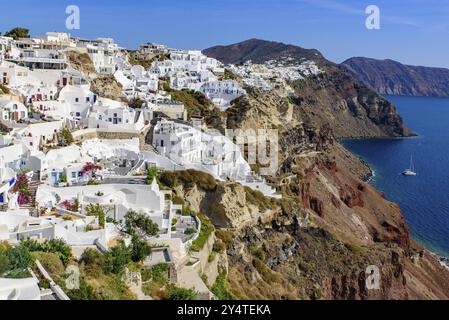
(80, 99)
(12, 111)
(114, 116)
(221, 93)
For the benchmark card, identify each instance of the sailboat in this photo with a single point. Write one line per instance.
(410, 171)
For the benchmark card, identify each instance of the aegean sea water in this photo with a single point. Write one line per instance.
(424, 199)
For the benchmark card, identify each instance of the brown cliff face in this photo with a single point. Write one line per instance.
(318, 241)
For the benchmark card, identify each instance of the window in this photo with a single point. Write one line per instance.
(162, 143)
(77, 100)
(78, 114)
(80, 174)
(87, 99)
(73, 174)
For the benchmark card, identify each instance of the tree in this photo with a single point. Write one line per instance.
(17, 33)
(98, 211)
(117, 258)
(152, 173)
(139, 224)
(140, 249)
(66, 137)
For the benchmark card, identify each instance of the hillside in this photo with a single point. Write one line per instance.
(330, 225)
(259, 51)
(332, 98)
(392, 77)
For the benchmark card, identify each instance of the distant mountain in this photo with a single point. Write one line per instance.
(259, 51)
(334, 98)
(392, 77)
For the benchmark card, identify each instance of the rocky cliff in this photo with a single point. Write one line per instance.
(330, 226)
(351, 109)
(392, 77)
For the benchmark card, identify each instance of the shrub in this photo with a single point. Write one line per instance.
(51, 262)
(257, 198)
(258, 252)
(219, 246)
(211, 256)
(91, 256)
(66, 136)
(225, 236)
(56, 246)
(219, 289)
(140, 249)
(152, 173)
(117, 258)
(138, 223)
(157, 273)
(98, 211)
(205, 232)
(175, 293)
(19, 258)
(190, 230)
(188, 179)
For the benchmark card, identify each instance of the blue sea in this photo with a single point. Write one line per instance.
(424, 199)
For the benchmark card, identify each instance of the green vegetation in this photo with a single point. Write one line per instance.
(98, 281)
(55, 246)
(136, 103)
(188, 179)
(195, 102)
(157, 273)
(63, 178)
(258, 252)
(152, 173)
(219, 289)
(51, 262)
(206, 230)
(219, 246)
(257, 198)
(225, 236)
(98, 211)
(156, 284)
(176, 293)
(190, 230)
(65, 137)
(136, 59)
(211, 256)
(228, 75)
(17, 33)
(117, 258)
(14, 261)
(267, 274)
(139, 224)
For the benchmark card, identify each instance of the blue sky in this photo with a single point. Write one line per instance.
(412, 31)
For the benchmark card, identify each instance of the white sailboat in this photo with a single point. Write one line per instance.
(410, 171)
